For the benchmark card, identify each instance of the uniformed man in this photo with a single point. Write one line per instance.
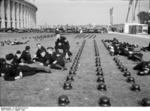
(26, 56)
(56, 60)
(143, 68)
(40, 49)
(2, 65)
(17, 57)
(11, 70)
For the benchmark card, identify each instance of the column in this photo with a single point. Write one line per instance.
(32, 18)
(23, 16)
(2, 14)
(19, 6)
(13, 15)
(27, 17)
(12, 9)
(17, 15)
(35, 18)
(31, 22)
(8, 13)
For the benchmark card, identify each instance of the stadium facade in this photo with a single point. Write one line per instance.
(17, 14)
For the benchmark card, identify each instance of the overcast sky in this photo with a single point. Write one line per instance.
(53, 12)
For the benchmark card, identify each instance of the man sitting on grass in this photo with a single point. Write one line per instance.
(56, 60)
(43, 58)
(26, 56)
(40, 49)
(17, 57)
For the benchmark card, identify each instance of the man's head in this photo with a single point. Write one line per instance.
(27, 48)
(18, 53)
(50, 50)
(38, 45)
(57, 36)
(9, 58)
(60, 51)
(43, 53)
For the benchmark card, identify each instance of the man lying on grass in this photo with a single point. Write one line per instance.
(143, 68)
(12, 71)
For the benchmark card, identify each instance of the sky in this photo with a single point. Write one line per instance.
(75, 12)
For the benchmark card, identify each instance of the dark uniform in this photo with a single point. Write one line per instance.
(67, 48)
(38, 53)
(63, 44)
(11, 70)
(44, 60)
(141, 66)
(26, 56)
(59, 44)
(2, 65)
(58, 58)
(149, 47)
(17, 60)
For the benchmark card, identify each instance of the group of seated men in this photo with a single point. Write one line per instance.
(131, 51)
(21, 64)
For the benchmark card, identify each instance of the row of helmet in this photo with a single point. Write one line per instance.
(127, 74)
(39, 37)
(89, 36)
(130, 79)
(64, 100)
(17, 42)
(103, 101)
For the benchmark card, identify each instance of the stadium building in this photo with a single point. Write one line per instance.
(17, 14)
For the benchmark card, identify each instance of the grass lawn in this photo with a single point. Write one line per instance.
(44, 89)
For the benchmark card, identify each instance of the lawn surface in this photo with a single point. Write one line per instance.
(44, 89)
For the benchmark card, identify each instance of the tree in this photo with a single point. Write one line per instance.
(144, 17)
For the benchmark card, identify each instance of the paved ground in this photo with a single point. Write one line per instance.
(44, 89)
(147, 36)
